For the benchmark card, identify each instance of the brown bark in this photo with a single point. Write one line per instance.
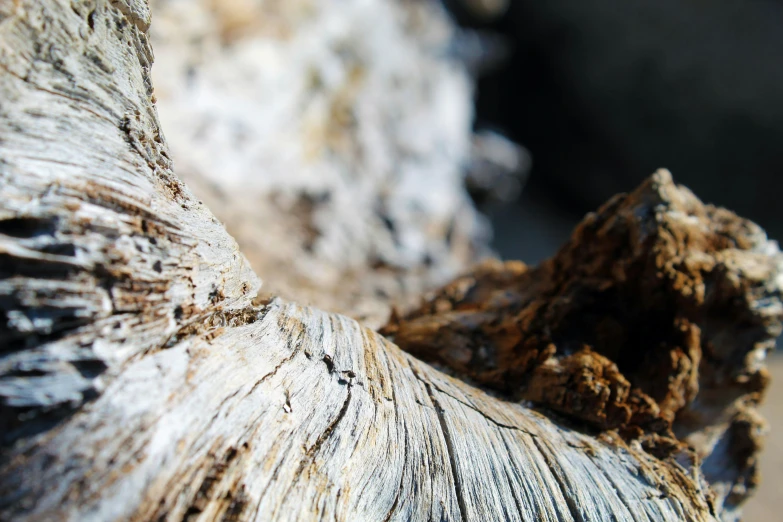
(140, 379)
(652, 320)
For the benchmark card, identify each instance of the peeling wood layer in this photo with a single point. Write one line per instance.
(653, 320)
(141, 379)
(104, 253)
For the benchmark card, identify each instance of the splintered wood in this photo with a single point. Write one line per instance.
(141, 378)
(654, 319)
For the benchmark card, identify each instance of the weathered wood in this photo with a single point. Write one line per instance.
(654, 319)
(104, 253)
(140, 380)
(330, 137)
(305, 415)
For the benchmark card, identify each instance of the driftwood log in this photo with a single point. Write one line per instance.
(142, 378)
(342, 129)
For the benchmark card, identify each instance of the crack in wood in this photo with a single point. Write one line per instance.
(510, 482)
(449, 446)
(622, 496)
(398, 418)
(78, 102)
(271, 374)
(402, 474)
(486, 417)
(564, 489)
(198, 430)
(309, 456)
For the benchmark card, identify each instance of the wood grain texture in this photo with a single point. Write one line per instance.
(655, 319)
(140, 379)
(104, 254)
(304, 415)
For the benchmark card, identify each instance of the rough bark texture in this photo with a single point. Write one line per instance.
(141, 380)
(654, 320)
(104, 254)
(308, 416)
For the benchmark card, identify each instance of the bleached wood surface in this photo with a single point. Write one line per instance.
(343, 126)
(303, 415)
(139, 380)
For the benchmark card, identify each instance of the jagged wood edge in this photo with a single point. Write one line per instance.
(139, 381)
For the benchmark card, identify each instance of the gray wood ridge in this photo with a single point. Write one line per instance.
(140, 379)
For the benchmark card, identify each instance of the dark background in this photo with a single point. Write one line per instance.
(603, 92)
